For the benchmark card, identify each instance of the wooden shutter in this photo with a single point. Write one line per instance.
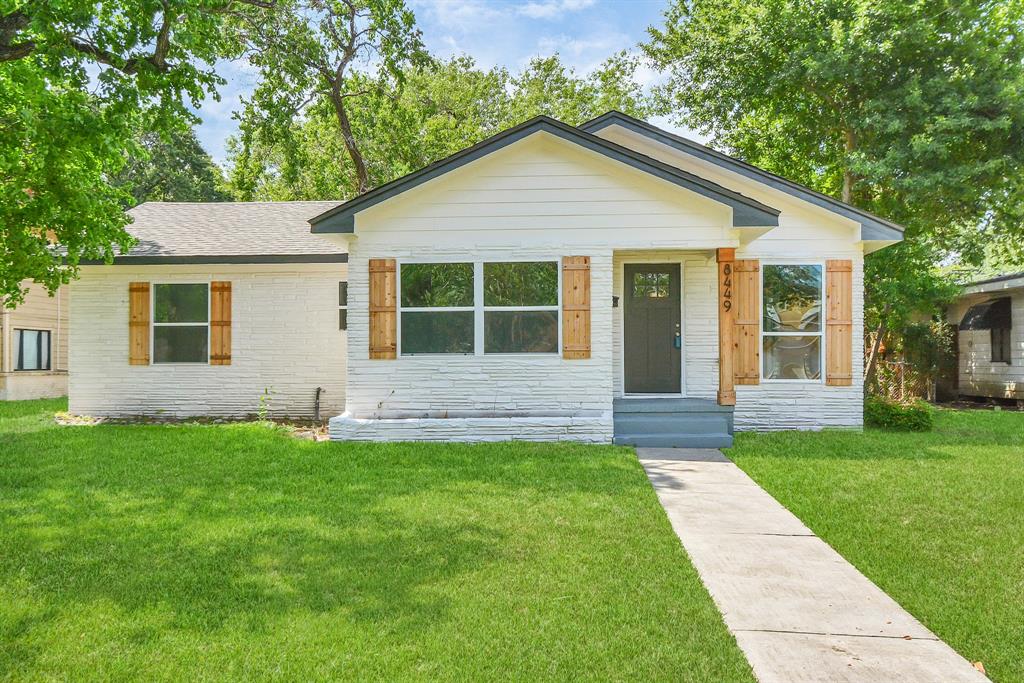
(839, 323)
(383, 309)
(575, 307)
(747, 359)
(138, 323)
(220, 323)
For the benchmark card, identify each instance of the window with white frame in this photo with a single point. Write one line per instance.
(32, 349)
(181, 328)
(792, 326)
(473, 308)
(342, 305)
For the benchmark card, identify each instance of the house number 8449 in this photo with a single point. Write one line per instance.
(727, 286)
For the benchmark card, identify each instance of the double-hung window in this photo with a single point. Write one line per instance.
(343, 305)
(33, 349)
(181, 328)
(792, 325)
(521, 307)
(479, 308)
(437, 308)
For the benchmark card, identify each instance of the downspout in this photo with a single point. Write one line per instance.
(316, 404)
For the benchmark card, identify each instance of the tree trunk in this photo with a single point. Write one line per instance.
(869, 370)
(362, 178)
(849, 146)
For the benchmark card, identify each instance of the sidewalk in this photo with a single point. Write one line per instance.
(799, 611)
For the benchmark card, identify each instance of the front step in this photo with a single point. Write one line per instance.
(673, 423)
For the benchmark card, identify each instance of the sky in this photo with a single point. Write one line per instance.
(495, 33)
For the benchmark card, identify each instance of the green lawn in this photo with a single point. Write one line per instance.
(936, 519)
(235, 551)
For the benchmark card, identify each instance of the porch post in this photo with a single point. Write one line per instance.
(726, 327)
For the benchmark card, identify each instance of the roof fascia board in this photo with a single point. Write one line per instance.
(872, 227)
(253, 259)
(747, 212)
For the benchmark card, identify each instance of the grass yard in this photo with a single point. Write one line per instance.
(238, 552)
(935, 519)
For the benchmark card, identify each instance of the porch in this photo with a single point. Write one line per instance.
(673, 327)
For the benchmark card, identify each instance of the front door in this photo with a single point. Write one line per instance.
(653, 344)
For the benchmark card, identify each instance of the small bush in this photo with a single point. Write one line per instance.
(916, 416)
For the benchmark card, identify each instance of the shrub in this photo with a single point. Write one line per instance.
(915, 416)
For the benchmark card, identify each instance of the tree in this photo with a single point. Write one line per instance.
(438, 110)
(77, 78)
(171, 168)
(908, 108)
(313, 51)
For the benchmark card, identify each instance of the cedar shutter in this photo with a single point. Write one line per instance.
(575, 307)
(839, 323)
(747, 359)
(138, 323)
(383, 309)
(220, 323)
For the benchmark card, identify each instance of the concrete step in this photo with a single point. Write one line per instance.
(675, 440)
(668, 405)
(673, 423)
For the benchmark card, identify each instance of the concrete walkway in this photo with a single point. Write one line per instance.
(799, 611)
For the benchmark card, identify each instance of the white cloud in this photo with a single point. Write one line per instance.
(552, 9)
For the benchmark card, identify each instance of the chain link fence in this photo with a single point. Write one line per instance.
(901, 381)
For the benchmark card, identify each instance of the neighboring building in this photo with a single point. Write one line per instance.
(34, 346)
(597, 283)
(990, 343)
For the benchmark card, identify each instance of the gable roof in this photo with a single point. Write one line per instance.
(228, 232)
(873, 228)
(747, 212)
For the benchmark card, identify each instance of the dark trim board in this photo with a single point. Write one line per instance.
(872, 227)
(747, 212)
(229, 259)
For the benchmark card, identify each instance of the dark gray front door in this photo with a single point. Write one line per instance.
(651, 294)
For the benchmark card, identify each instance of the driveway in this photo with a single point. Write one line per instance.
(799, 611)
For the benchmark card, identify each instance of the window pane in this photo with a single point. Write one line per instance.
(521, 284)
(180, 303)
(792, 298)
(792, 357)
(29, 347)
(521, 332)
(343, 294)
(185, 344)
(437, 284)
(44, 350)
(651, 285)
(448, 332)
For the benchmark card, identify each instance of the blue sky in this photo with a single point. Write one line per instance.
(494, 32)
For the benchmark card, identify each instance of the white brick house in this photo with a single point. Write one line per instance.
(607, 282)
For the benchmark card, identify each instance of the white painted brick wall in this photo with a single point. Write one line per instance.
(534, 385)
(285, 338)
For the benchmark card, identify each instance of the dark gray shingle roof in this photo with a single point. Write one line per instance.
(242, 232)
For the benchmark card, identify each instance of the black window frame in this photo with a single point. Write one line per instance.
(999, 338)
(20, 363)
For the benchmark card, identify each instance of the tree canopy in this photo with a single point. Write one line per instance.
(433, 111)
(912, 109)
(77, 79)
(171, 168)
